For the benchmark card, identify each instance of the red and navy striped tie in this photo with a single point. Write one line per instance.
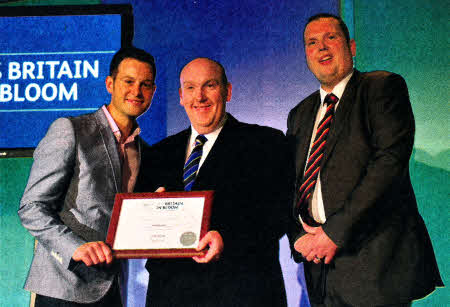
(314, 162)
(191, 166)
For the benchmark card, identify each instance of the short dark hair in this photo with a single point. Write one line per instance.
(133, 53)
(223, 75)
(341, 23)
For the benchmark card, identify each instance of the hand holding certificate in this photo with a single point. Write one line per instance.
(159, 225)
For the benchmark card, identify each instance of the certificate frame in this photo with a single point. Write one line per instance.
(120, 206)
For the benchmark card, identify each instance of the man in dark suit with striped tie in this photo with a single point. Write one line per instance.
(356, 225)
(248, 168)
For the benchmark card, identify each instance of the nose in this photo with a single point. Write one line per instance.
(322, 45)
(136, 90)
(199, 94)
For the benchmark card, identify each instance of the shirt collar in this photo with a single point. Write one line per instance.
(338, 90)
(212, 136)
(115, 129)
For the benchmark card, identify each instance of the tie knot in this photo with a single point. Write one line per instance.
(200, 139)
(330, 99)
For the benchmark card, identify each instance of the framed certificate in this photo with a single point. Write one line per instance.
(159, 225)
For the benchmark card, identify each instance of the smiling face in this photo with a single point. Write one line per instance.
(131, 90)
(203, 94)
(328, 54)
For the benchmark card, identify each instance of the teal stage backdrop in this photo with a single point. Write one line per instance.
(409, 37)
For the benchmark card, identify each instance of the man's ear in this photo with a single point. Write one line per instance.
(180, 92)
(353, 47)
(109, 84)
(229, 91)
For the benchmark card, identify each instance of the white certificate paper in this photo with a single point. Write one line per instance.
(159, 223)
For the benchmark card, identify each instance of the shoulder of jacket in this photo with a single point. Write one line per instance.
(256, 133)
(172, 139)
(377, 75)
(308, 101)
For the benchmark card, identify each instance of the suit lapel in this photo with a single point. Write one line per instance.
(110, 144)
(220, 153)
(139, 147)
(342, 112)
(309, 117)
(176, 157)
(180, 151)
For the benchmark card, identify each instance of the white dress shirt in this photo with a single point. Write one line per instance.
(211, 137)
(317, 207)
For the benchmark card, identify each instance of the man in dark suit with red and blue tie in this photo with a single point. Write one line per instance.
(356, 225)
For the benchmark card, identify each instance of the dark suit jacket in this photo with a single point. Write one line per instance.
(249, 171)
(67, 202)
(385, 254)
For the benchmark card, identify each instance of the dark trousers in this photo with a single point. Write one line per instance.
(111, 299)
(328, 295)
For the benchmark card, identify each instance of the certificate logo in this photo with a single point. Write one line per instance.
(188, 238)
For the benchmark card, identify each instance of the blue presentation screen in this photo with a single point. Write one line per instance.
(53, 66)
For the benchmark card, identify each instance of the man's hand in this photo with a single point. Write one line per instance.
(214, 240)
(93, 253)
(315, 245)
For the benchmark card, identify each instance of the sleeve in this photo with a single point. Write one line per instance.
(295, 230)
(50, 176)
(391, 134)
(277, 186)
(252, 208)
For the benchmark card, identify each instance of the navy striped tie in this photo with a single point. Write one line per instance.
(191, 166)
(314, 162)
